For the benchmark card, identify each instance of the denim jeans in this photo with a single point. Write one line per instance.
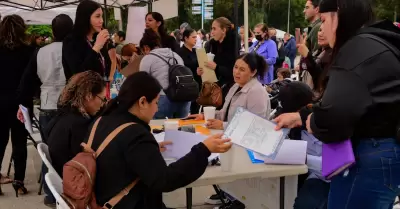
(44, 119)
(313, 194)
(169, 109)
(374, 181)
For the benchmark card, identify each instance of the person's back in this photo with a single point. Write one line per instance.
(13, 62)
(51, 73)
(158, 67)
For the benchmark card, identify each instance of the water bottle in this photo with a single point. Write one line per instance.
(113, 91)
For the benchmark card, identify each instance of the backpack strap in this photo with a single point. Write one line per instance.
(110, 137)
(117, 198)
(163, 59)
(390, 46)
(88, 146)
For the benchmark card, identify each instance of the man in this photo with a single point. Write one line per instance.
(290, 48)
(119, 39)
(311, 13)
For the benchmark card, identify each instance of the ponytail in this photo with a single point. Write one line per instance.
(255, 62)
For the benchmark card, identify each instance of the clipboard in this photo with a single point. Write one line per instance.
(132, 67)
(208, 75)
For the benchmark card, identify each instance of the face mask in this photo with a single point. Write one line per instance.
(259, 37)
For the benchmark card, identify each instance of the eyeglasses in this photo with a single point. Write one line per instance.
(104, 100)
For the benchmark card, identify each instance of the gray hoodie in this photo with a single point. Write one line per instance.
(159, 68)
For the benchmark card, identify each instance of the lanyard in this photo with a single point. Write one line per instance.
(101, 58)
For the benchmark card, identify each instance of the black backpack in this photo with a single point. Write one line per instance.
(182, 86)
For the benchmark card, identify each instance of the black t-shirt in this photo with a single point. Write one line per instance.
(229, 105)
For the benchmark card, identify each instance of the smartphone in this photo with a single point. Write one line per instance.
(298, 36)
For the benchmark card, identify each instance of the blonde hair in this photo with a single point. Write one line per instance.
(224, 23)
(79, 86)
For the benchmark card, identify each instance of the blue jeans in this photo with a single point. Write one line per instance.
(374, 182)
(44, 119)
(312, 195)
(170, 109)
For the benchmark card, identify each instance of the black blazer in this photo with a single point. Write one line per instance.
(190, 61)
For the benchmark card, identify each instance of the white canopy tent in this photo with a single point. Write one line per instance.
(39, 17)
(31, 5)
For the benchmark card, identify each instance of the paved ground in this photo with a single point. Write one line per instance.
(34, 201)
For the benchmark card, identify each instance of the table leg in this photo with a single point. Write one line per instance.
(220, 194)
(189, 196)
(282, 192)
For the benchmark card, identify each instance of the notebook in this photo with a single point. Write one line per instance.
(336, 158)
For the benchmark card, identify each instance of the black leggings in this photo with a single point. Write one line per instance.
(18, 140)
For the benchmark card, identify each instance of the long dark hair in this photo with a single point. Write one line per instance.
(84, 11)
(159, 18)
(12, 32)
(150, 39)
(62, 25)
(255, 62)
(187, 33)
(137, 85)
(348, 23)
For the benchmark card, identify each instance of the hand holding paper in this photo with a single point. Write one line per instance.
(27, 119)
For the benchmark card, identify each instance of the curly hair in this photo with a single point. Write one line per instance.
(12, 32)
(78, 88)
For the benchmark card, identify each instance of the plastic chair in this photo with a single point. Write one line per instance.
(55, 185)
(44, 154)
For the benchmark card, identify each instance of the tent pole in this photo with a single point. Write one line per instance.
(236, 24)
(246, 24)
(105, 13)
(150, 5)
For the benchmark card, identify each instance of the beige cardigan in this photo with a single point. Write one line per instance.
(252, 97)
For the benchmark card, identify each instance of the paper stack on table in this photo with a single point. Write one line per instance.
(182, 143)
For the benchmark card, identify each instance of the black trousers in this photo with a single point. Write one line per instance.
(18, 139)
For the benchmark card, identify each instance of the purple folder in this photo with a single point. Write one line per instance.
(336, 158)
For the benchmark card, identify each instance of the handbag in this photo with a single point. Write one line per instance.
(210, 95)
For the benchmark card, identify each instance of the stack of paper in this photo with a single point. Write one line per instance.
(182, 143)
(255, 133)
(27, 119)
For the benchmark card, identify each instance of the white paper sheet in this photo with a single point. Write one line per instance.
(255, 133)
(292, 152)
(314, 163)
(27, 119)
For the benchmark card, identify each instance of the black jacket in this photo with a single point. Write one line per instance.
(134, 153)
(362, 97)
(225, 57)
(64, 134)
(190, 60)
(14, 63)
(78, 56)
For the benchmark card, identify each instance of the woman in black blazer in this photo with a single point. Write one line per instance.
(81, 50)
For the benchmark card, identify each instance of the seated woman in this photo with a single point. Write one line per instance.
(81, 99)
(283, 79)
(158, 68)
(134, 152)
(247, 91)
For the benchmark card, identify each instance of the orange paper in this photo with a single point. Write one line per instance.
(191, 122)
(202, 130)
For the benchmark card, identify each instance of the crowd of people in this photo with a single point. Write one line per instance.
(348, 88)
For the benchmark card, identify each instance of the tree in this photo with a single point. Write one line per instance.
(42, 30)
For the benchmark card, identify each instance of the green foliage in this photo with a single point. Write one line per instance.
(42, 30)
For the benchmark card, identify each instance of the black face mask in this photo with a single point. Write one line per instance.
(259, 37)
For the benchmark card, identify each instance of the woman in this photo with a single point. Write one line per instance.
(81, 99)
(202, 35)
(360, 103)
(82, 50)
(155, 21)
(266, 48)
(247, 91)
(15, 54)
(188, 54)
(242, 42)
(155, 66)
(132, 151)
(283, 75)
(223, 47)
(313, 67)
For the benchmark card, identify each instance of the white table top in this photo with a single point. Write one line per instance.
(242, 168)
